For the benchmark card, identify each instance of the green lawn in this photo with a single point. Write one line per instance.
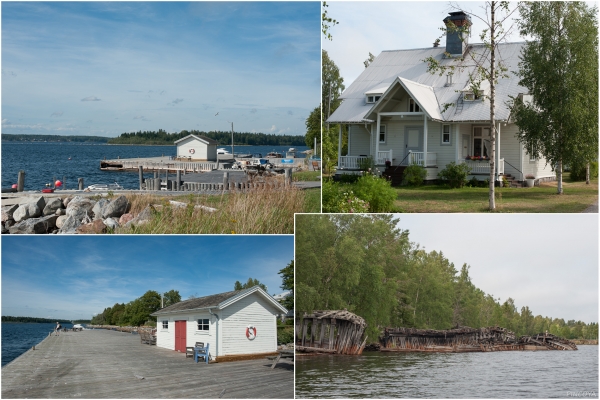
(435, 198)
(306, 176)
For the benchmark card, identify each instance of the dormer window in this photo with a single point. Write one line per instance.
(470, 96)
(373, 98)
(413, 106)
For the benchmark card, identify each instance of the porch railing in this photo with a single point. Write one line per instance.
(383, 156)
(351, 162)
(483, 166)
(417, 157)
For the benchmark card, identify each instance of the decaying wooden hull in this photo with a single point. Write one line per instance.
(331, 331)
(465, 339)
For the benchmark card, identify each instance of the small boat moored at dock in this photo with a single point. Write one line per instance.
(104, 187)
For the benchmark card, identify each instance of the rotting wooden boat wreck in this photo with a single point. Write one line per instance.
(465, 339)
(330, 331)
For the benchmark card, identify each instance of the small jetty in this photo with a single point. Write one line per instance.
(465, 339)
(331, 331)
(109, 364)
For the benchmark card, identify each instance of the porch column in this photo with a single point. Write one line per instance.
(498, 150)
(377, 137)
(340, 145)
(457, 142)
(424, 140)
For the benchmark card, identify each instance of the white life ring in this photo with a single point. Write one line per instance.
(192, 151)
(251, 332)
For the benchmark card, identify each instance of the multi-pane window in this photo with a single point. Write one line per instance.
(165, 324)
(203, 324)
(382, 134)
(445, 134)
(373, 99)
(413, 106)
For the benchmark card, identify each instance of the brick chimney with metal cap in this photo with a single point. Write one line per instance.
(457, 39)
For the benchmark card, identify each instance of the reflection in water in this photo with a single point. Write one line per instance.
(538, 374)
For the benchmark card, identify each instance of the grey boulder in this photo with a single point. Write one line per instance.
(8, 211)
(34, 225)
(80, 207)
(111, 223)
(116, 207)
(53, 204)
(26, 211)
(97, 210)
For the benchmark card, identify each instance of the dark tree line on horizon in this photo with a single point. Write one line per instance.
(6, 137)
(6, 318)
(365, 264)
(223, 137)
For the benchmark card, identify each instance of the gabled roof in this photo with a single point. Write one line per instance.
(204, 139)
(408, 67)
(218, 301)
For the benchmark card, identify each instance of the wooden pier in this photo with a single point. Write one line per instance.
(110, 364)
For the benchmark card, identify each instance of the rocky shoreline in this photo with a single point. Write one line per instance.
(70, 215)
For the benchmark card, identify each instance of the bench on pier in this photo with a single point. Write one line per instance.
(282, 354)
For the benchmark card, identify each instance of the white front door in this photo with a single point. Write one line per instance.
(413, 140)
(465, 146)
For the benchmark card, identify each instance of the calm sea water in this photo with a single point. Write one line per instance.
(529, 374)
(18, 338)
(44, 161)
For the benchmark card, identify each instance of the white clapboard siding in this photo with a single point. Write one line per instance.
(251, 310)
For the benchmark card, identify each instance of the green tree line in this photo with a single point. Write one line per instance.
(53, 138)
(369, 266)
(6, 318)
(162, 137)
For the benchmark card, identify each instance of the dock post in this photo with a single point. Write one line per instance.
(21, 181)
(225, 180)
(288, 176)
(167, 177)
(157, 184)
(80, 183)
(178, 185)
(141, 175)
(155, 174)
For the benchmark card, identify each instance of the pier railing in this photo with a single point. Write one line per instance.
(187, 166)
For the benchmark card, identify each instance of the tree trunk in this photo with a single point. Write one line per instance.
(559, 174)
(492, 194)
(587, 173)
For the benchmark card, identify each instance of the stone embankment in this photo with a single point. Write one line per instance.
(71, 214)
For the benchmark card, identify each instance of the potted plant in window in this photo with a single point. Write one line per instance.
(529, 180)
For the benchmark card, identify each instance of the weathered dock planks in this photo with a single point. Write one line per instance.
(331, 331)
(110, 364)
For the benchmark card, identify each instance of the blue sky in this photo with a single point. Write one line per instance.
(104, 68)
(78, 276)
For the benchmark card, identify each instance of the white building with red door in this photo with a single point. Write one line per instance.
(237, 323)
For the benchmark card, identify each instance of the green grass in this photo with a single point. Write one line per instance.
(306, 176)
(312, 200)
(437, 198)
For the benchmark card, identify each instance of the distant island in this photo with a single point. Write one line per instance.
(35, 320)
(6, 137)
(162, 138)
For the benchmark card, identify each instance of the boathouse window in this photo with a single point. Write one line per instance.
(203, 324)
(382, 135)
(165, 324)
(413, 106)
(446, 134)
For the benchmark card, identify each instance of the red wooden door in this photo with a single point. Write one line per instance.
(180, 336)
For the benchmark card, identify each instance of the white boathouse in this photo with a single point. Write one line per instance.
(197, 148)
(235, 324)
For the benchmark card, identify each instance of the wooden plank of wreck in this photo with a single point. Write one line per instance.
(109, 364)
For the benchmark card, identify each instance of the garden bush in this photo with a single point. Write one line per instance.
(339, 198)
(366, 164)
(414, 175)
(455, 174)
(378, 192)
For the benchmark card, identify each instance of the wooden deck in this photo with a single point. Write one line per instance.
(109, 364)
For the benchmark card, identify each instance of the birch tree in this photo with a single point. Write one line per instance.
(486, 66)
(559, 67)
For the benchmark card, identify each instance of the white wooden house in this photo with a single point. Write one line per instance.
(399, 112)
(199, 148)
(237, 323)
